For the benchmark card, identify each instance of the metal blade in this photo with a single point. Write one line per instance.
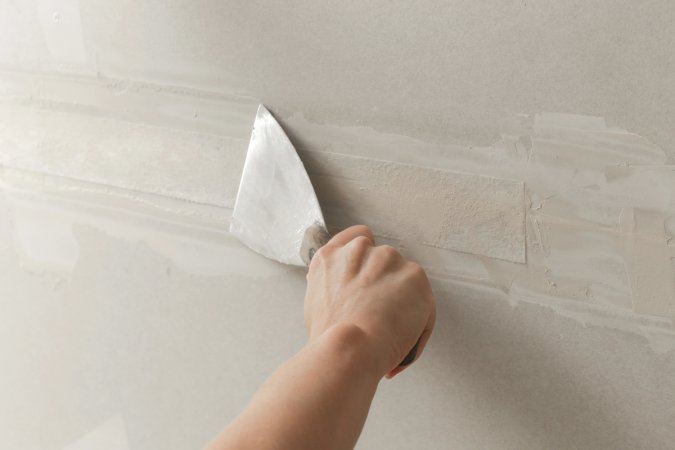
(276, 212)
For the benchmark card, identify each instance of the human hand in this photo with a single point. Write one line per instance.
(352, 281)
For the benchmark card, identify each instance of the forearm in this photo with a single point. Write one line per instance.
(319, 399)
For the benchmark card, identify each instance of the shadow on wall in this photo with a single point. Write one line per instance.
(562, 385)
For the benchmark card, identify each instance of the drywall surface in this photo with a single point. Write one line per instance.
(520, 151)
(125, 323)
(440, 70)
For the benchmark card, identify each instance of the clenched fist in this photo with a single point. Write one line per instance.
(351, 281)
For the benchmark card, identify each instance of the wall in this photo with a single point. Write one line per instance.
(521, 151)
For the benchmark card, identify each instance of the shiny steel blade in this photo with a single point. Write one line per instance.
(276, 212)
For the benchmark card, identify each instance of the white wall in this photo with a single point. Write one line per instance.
(521, 151)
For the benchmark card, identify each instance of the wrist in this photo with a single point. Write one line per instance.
(353, 350)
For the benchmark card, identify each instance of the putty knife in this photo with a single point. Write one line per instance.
(276, 212)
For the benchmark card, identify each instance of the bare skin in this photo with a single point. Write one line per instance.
(365, 308)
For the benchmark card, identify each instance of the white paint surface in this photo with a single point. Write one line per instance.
(129, 316)
(62, 29)
(110, 435)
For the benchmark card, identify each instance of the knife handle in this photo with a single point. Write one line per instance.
(410, 357)
(315, 237)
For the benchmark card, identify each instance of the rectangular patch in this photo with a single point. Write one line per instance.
(198, 167)
(456, 211)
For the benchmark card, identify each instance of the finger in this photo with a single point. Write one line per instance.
(424, 338)
(418, 348)
(431, 321)
(356, 252)
(346, 235)
(421, 342)
(396, 371)
(384, 257)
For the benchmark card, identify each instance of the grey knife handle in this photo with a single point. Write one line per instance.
(316, 236)
(410, 357)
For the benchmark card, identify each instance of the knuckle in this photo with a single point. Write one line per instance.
(389, 252)
(360, 242)
(365, 231)
(414, 267)
(417, 272)
(322, 254)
